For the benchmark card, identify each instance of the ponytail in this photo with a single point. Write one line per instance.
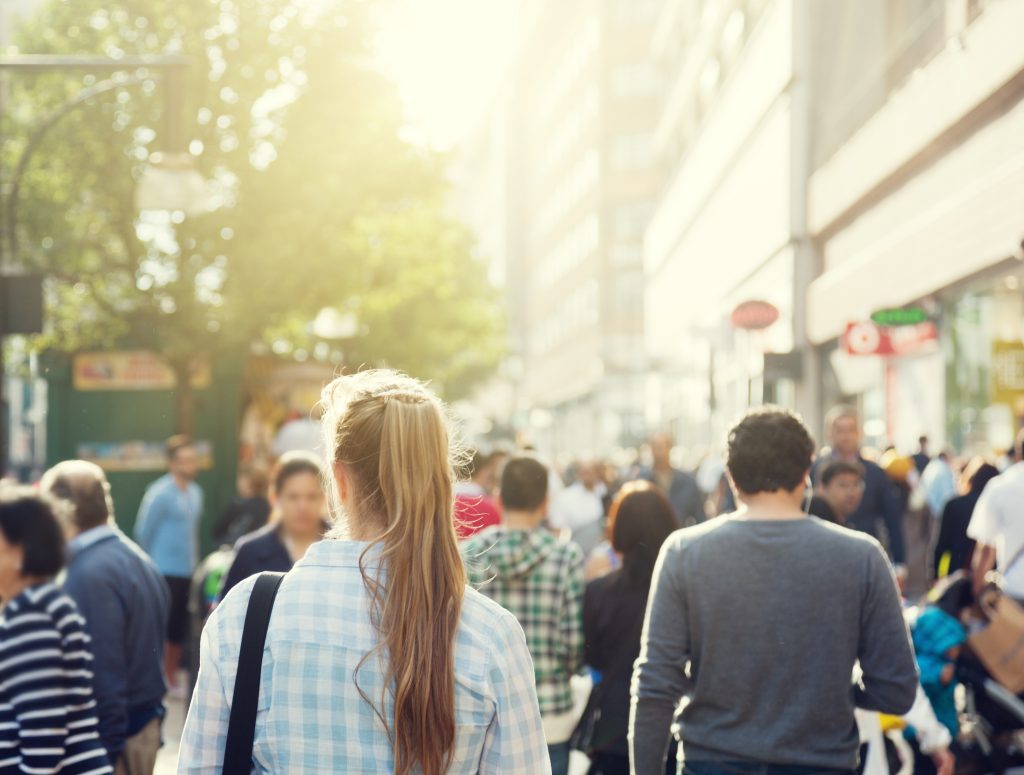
(391, 434)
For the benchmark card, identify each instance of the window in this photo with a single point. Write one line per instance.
(629, 152)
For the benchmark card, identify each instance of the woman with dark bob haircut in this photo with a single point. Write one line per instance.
(640, 520)
(47, 709)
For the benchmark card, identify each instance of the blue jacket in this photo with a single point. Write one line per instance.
(262, 550)
(879, 503)
(167, 525)
(125, 603)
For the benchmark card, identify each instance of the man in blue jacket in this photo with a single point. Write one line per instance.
(879, 502)
(124, 601)
(167, 529)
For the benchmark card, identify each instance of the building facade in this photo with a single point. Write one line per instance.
(916, 199)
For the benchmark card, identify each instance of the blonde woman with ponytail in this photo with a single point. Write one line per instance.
(378, 658)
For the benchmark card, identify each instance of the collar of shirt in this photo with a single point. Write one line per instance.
(335, 553)
(87, 538)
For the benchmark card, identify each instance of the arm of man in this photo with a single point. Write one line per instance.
(889, 679)
(985, 527)
(571, 618)
(149, 517)
(101, 605)
(659, 679)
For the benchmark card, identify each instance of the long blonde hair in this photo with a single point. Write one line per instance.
(391, 434)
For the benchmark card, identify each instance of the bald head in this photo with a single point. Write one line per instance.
(85, 486)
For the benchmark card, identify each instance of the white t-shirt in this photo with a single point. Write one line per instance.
(998, 521)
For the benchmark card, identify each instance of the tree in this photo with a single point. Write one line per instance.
(319, 203)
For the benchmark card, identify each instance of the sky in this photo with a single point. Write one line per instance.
(446, 57)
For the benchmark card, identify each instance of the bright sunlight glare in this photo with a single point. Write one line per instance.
(447, 57)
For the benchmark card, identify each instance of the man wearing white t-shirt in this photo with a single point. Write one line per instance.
(997, 524)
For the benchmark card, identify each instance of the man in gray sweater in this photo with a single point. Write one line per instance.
(759, 618)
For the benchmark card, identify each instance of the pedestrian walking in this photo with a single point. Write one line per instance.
(297, 521)
(997, 527)
(249, 511)
(167, 530)
(640, 520)
(579, 508)
(125, 603)
(474, 507)
(953, 548)
(530, 571)
(838, 492)
(47, 709)
(879, 502)
(680, 487)
(758, 618)
(378, 659)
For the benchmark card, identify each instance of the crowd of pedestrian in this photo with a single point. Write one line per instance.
(426, 609)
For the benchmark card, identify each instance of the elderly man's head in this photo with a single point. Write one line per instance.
(85, 486)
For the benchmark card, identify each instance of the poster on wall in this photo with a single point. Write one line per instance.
(136, 455)
(130, 370)
(1008, 374)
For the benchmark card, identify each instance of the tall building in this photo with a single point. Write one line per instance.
(916, 201)
(728, 233)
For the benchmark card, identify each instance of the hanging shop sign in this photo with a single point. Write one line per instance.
(754, 315)
(137, 455)
(902, 316)
(130, 370)
(867, 338)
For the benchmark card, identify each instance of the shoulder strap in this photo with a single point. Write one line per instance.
(242, 724)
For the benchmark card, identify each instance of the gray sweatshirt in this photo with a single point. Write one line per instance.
(759, 625)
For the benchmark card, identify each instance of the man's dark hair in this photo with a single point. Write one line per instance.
(175, 444)
(86, 489)
(524, 484)
(835, 468)
(28, 518)
(292, 464)
(770, 449)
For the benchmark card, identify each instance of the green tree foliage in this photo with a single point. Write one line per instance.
(318, 200)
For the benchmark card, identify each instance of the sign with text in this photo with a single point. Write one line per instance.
(130, 370)
(866, 338)
(136, 455)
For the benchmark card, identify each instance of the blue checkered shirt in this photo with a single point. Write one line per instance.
(311, 718)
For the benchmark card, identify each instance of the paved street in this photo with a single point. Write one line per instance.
(167, 760)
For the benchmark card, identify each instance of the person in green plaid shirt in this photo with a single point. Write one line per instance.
(529, 571)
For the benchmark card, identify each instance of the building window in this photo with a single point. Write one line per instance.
(639, 79)
(630, 152)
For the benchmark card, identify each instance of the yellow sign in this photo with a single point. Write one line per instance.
(131, 370)
(1008, 373)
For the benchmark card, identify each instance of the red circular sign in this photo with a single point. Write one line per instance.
(754, 315)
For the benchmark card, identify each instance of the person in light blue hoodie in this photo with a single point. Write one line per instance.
(167, 530)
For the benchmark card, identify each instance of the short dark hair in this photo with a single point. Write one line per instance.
(292, 464)
(175, 444)
(639, 521)
(28, 518)
(834, 468)
(86, 489)
(524, 484)
(770, 449)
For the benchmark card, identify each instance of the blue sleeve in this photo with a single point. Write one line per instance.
(101, 605)
(151, 512)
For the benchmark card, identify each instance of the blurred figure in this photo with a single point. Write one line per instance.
(47, 710)
(879, 502)
(640, 520)
(939, 483)
(297, 521)
(838, 492)
(167, 529)
(579, 508)
(953, 549)
(921, 458)
(249, 511)
(748, 623)
(125, 602)
(527, 570)
(298, 433)
(474, 507)
(681, 488)
(998, 528)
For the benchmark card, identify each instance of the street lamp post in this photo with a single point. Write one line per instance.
(170, 182)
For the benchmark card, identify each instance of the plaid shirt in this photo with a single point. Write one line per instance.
(311, 718)
(540, 580)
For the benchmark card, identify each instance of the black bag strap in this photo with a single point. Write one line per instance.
(242, 723)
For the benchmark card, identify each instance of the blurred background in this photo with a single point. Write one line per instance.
(585, 220)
